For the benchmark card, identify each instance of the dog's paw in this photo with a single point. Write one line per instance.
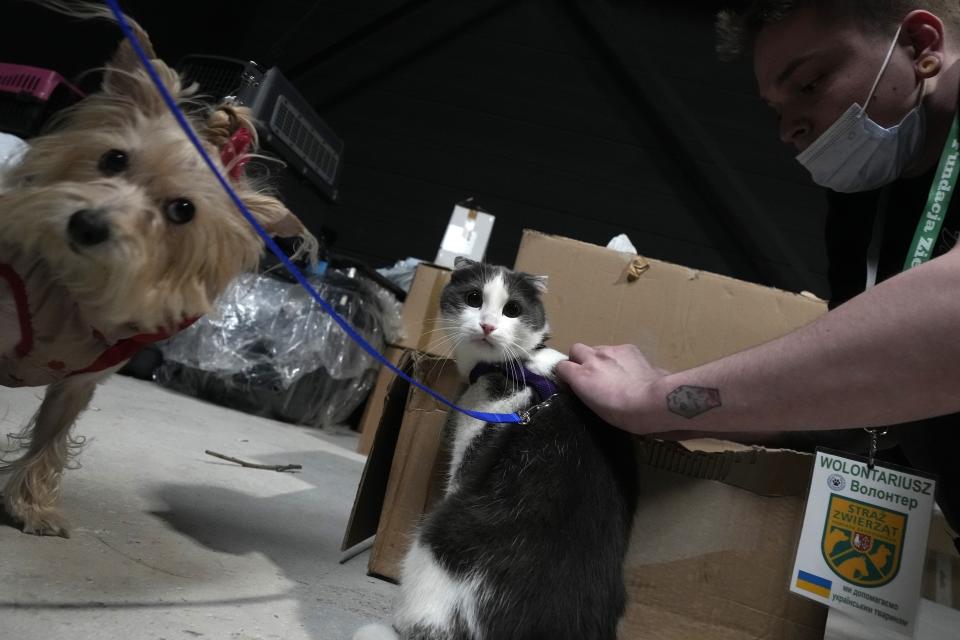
(46, 522)
(35, 520)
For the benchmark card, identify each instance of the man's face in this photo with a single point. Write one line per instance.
(810, 71)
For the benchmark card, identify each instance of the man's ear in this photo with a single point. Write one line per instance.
(922, 31)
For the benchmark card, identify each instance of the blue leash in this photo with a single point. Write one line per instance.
(522, 418)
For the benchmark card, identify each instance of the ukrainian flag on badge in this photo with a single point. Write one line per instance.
(813, 584)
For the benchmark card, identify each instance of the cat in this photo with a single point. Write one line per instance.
(529, 539)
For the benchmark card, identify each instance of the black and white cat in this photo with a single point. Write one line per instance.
(529, 540)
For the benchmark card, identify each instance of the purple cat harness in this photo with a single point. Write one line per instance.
(542, 386)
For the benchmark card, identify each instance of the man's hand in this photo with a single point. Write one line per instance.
(612, 381)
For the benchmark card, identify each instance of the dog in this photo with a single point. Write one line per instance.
(115, 234)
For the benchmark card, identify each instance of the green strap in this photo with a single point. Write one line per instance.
(941, 191)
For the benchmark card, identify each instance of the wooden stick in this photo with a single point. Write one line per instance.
(253, 465)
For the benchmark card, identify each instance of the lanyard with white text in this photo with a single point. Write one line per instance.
(924, 240)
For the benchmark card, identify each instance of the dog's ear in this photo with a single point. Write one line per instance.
(279, 221)
(224, 121)
(125, 75)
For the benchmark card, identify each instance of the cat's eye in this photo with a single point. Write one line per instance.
(180, 211)
(474, 299)
(511, 309)
(113, 162)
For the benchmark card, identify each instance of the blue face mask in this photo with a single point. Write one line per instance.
(857, 154)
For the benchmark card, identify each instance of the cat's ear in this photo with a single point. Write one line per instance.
(539, 283)
(463, 263)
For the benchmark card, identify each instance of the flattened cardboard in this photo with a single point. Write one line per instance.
(678, 317)
(373, 411)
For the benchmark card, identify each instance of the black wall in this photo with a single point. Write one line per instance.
(582, 118)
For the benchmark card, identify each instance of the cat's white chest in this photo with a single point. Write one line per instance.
(465, 428)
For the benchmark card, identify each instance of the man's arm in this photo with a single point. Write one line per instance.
(889, 355)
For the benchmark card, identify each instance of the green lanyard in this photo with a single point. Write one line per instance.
(928, 230)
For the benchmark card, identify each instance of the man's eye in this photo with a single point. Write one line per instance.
(811, 87)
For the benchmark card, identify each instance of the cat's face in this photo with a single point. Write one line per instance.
(492, 314)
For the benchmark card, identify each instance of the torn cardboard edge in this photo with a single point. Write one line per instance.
(763, 471)
(636, 266)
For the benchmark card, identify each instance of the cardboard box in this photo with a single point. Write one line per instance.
(712, 545)
(406, 463)
(422, 310)
(419, 320)
(679, 317)
(373, 410)
(711, 550)
(717, 527)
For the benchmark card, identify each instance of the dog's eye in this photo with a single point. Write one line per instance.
(474, 299)
(113, 162)
(180, 211)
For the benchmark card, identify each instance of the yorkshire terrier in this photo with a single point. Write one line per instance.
(115, 234)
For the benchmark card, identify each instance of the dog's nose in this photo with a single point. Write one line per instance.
(88, 227)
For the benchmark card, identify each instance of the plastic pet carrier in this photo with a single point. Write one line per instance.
(29, 96)
(287, 124)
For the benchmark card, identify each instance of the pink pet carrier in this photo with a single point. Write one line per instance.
(29, 95)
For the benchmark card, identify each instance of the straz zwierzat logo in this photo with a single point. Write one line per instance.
(862, 543)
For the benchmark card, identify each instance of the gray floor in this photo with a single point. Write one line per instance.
(170, 543)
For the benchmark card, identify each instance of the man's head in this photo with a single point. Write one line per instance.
(814, 58)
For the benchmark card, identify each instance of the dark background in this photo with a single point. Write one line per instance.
(581, 118)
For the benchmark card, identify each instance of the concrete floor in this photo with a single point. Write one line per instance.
(170, 543)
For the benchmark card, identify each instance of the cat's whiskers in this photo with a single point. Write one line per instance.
(448, 353)
(519, 381)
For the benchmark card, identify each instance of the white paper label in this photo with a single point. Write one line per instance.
(864, 540)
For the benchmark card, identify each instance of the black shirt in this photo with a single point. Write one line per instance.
(931, 445)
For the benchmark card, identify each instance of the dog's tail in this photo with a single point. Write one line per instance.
(95, 11)
(375, 632)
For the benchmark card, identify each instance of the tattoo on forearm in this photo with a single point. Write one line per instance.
(690, 402)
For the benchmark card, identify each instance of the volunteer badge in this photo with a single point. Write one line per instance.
(864, 539)
(862, 543)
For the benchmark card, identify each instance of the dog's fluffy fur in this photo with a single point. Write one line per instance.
(152, 272)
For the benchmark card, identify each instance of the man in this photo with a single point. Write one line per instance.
(883, 355)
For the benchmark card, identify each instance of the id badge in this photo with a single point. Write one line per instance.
(864, 539)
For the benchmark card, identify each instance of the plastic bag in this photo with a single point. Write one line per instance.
(269, 349)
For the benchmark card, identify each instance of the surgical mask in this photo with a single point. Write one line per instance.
(857, 154)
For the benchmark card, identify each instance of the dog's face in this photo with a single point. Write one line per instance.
(125, 213)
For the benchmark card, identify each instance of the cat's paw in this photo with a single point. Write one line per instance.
(544, 361)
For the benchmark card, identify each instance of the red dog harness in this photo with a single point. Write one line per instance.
(54, 340)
